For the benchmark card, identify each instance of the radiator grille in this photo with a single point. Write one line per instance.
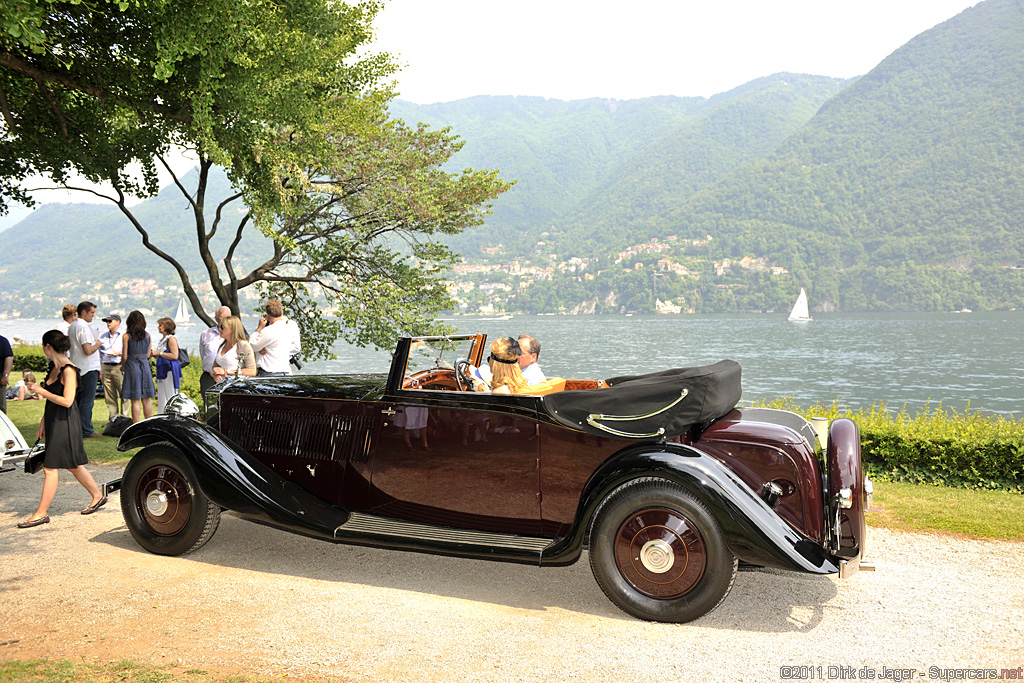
(295, 434)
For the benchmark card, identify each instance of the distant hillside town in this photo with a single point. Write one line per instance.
(143, 294)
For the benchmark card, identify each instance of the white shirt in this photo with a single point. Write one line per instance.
(81, 333)
(296, 346)
(111, 341)
(230, 360)
(276, 339)
(533, 374)
(209, 343)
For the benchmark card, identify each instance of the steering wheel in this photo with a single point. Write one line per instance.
(462, 375)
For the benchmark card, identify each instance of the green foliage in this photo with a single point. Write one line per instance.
(362, 240)
(967, 449)
(596, 173)
(189, 384)
(292, 105)
(29, 357)
(902, 192)
(95, 86)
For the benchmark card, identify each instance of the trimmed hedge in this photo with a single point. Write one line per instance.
(29, 357)
(967, 449)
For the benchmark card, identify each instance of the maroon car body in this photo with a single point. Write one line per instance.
(669, 493)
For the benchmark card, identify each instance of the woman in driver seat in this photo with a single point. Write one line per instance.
(506, 377)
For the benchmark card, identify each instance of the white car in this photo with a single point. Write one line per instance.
(16, 449)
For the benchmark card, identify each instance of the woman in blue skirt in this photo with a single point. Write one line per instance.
(138, 378)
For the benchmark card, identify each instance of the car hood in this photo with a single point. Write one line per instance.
(368, 387)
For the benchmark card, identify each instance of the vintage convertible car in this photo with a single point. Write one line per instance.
(659, 476)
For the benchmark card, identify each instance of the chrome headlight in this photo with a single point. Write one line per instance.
(181, 405)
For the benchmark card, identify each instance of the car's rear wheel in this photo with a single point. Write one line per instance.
(163, 506)
(658, 553)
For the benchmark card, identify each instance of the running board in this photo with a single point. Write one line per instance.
(396, 533)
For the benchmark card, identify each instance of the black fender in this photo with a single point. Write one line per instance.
(235, 480)
(752, 530)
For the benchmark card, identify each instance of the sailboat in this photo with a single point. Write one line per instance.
(800, 314)
(181, 315)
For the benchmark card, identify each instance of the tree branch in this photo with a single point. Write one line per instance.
(76, 189)
(56, 110)
(228, 260)
(186, 283)
(35, 73)
(220, 207)
(260, 273)
(174, 177)
(226, 294)
(5, 107)
(19, 65)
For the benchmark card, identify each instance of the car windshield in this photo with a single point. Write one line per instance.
(437, 352)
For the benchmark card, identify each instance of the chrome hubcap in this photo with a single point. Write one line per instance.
(657, 556)
(156, 503)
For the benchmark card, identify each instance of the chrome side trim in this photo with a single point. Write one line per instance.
(363, 524)
(594, 417)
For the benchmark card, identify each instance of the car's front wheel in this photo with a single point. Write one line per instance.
(163, 506)
(658, 553)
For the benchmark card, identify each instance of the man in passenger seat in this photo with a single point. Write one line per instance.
(528, 360)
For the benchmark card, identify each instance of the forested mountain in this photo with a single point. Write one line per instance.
(906, 190)
(613, 165)
(900, 190)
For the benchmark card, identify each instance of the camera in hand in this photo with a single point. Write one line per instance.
(296, 361)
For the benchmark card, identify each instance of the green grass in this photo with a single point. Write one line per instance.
(65, 671)
(941, 509)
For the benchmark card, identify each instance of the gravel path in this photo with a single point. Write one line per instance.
(271, 603)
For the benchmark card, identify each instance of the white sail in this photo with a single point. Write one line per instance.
(800, 314)
(181, 315)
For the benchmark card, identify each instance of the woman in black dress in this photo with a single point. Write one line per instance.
(62, 428)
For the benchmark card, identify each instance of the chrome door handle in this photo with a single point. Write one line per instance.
(387, 411)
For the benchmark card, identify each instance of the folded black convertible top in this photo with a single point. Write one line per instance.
(661, 404)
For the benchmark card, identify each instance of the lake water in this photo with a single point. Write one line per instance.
(960, 360)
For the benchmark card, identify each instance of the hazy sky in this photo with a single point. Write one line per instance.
(570, 49)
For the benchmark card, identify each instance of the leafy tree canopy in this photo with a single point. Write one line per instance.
(94, 86)
(284, 96)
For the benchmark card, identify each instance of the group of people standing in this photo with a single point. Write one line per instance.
(226, 349)
(77, 361)
(119, 358)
